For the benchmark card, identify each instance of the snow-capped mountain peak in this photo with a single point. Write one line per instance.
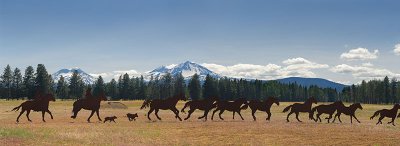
(67, 74)
(188, 69)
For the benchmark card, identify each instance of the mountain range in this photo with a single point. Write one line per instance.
(188, 69)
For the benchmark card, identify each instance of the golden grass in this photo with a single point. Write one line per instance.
(66, 131)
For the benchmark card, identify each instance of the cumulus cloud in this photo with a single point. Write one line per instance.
(397, 49)
(298, 67)
(360, 54)
(365, 71)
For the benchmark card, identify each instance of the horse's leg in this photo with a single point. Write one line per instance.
(334, 118)
(27, 115)
(240, 115)
(340, 120)
(318, 118)
(206, 114)
(176, 111)
(212, 116)
(22, 111)
(330, 117)
(287, 118)
(380, 120)
(233, 114)
(269, 115)
(51, 115)
(97, 113)
(189, 113)
(156, 113)
(148, 113)
(351, 119)
(393, 120)
(297, 117)
(91, 114)
(356, 118)
(252, 113)
(220, 113)
(43, 116)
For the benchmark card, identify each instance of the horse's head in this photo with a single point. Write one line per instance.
(358, 105)
(397, 106)
(312, 100)
(103, 96)
(274, 100)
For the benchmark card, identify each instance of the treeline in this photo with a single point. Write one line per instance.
(384, 91)
(16, 86)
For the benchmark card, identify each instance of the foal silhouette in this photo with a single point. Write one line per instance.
(262, 106)
(324, 109)
(40, 103)
(347, 111)
(206, 105)
(387, 113)
(233, 106)
(89, 103)
(167, 104)
(300, 108)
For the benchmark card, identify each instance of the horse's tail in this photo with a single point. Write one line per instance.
(145, 104)
(245, 106)
(287, 108)
(311, 114)
(17, 108)
(375, 114)
(186, 105)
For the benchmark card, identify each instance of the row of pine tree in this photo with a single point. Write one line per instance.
(16, 86)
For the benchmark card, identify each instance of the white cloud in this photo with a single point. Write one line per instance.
(298, 67)
(397, 49)
(366, 72)
(360, 54)
(107, 76)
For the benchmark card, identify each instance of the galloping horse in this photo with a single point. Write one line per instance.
(89, 103)
(206, 105)
(233, 106)
(167, 104)
(40, 103)
(387, 113)
(298, 108)
(262, 106)
(324, 109)
(347, 111)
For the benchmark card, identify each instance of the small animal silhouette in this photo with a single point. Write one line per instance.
(132, 116)
(390, 113)
(111, 119)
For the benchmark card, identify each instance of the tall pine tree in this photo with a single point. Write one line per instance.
(29, 82)
(6, 80)
(195, 87)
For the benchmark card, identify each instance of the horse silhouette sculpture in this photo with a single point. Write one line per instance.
(40, 103)
(390, 113)
(206, 105)
(167, 104)
(324, 109)
(89, 103)
(233, 106)
(262, 106)
(298, 108)
(351, 110)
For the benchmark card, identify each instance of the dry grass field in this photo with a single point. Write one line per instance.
(66, 131)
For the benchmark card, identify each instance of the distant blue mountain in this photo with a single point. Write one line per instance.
(313, 81)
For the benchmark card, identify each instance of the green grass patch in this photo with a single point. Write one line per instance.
(15, 133)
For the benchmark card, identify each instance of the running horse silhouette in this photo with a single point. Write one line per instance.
(347, 111)
(300, 108)
(324, 109)
(89, 103)
(263, 106)
(233, 106)
(387, 113)
(167, 104)
(40, 103)
(206, 105)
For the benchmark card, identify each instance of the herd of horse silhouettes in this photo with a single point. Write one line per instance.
(40, 103)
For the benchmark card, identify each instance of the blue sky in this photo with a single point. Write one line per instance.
(265, 39)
